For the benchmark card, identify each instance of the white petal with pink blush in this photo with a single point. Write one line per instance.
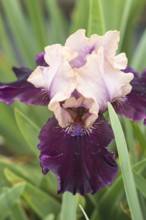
(88, 67)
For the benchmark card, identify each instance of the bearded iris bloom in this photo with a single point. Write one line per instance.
(76, 81)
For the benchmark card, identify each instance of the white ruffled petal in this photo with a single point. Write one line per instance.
(39, 77)
(90, 82)
(57, 54)
(101, 82)
(88, 67)
(77, 41)
(109, 42)
(120, 61)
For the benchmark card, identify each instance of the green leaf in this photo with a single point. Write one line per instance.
(79, 16)
(5, 43)
(130, 140)
(112, 193)
(96, 214)
(138, 60)
(18, 212)
(57, 20)
(115, 193)
(37, 19)
(139, 166)
(126, 171)
(140, 183)
(28, 129)
(49, 180)
(19, 28)
(116, 10)
(69, 206)
(21, 166)
(96, 20)
(140, 136)
(10, 131)
(47, 205)
(124, 19)
(41, 203)
(129, 19)
(9, 198)
(49, 217)
(86, 217)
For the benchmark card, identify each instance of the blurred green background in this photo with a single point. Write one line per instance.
(26, 27)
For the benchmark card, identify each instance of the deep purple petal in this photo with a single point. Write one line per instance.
(40, 61)
(22, 90)
(144, 73)
(133, 106)
(22, 72)
(81, 162)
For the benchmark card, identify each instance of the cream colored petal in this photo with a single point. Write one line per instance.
(63, 116)
(77, 41)
(42, 76)
(109, 42)
(89, 119)
(80, 43)
(72, 102)
(117, 82)
(58, 78)
(100, 81)
(90, 82)
(36, 77)
(85, 46)
(97, 76)
(58, 58)
(56, 54)
(120, 61)
(63, 84)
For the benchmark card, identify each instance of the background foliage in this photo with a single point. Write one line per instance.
(26, 27)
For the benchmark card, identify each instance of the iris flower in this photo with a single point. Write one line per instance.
(76, 81)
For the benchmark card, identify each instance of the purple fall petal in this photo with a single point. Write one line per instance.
(40, 61)
(22, 90)
(81, 162)
(22, 72)
(133, 106)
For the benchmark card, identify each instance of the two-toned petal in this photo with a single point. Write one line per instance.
(22, 90)
(77, 156)
(101, 82)
(133, 106)
(58, 79)
(88, 66)
(84, 46)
